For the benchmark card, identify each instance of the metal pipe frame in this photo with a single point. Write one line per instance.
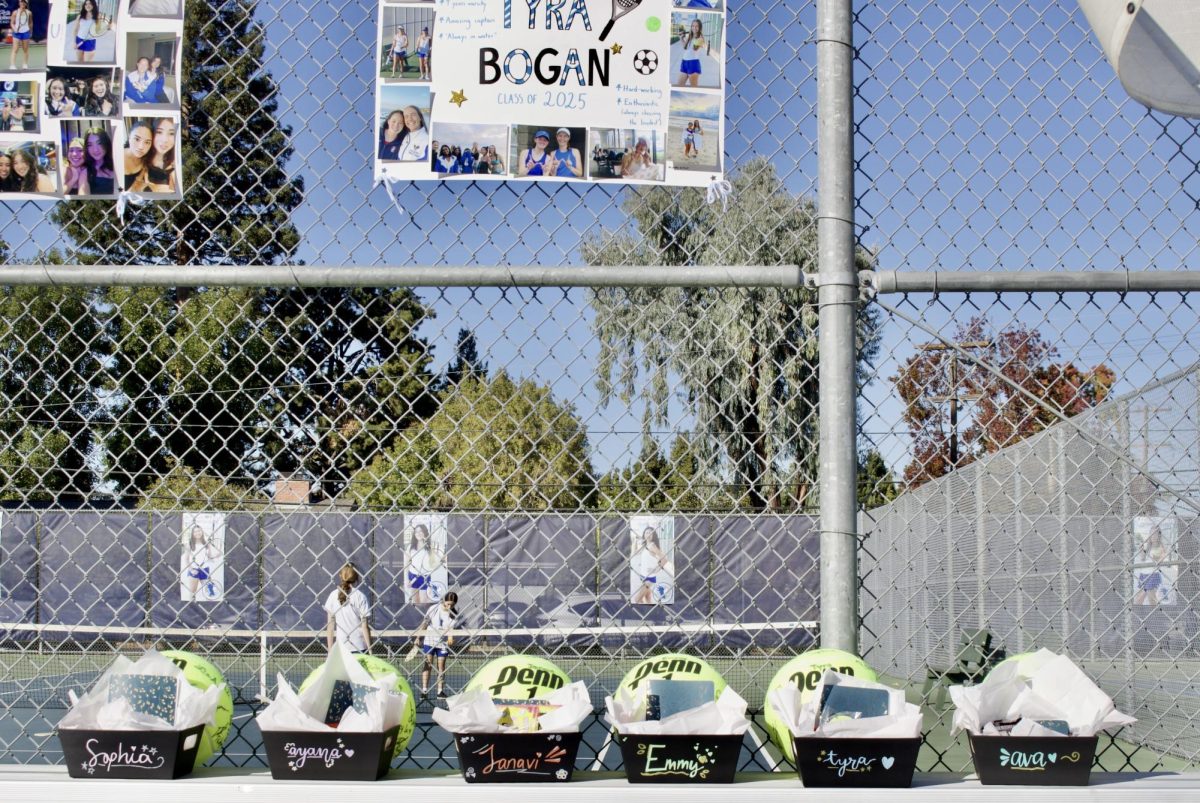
(838, 299)
(401, 276)
(888, 282)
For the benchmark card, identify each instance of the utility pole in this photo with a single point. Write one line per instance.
(954, 397)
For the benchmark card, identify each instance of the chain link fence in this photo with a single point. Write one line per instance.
(538, 423)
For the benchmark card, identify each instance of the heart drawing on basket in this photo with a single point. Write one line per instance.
(887, 762)
(349, 752)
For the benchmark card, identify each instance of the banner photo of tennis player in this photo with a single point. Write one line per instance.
(652, 560)
(613, 91)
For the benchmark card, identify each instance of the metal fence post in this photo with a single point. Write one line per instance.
(838, 299)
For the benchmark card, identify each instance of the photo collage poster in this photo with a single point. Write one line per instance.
(426, 577)
(652, 560)
(90, 93)
(626, 91)
(1155, 560)
(202, 557)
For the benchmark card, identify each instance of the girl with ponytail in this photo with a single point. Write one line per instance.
(348, 612)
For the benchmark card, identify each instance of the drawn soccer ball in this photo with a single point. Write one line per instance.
(645, 62)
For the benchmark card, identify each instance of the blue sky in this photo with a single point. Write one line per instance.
(989, 137)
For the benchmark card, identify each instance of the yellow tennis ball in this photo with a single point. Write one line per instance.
(519, 677)
(804, 672)
(671, 666)
(379, 668)
(1021, 659)
(202, 674)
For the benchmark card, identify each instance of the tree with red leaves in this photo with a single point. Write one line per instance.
(999, 415)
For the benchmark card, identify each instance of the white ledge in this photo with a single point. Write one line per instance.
(26, 784)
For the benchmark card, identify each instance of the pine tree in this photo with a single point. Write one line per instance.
(172, 404)
(466, 363)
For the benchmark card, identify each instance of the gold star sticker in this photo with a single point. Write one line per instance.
(457, 97)
(615, 48)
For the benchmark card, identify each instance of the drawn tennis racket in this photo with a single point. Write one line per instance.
(620, 9)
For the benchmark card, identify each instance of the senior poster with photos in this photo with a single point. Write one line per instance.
(628, 91)
(90, 94)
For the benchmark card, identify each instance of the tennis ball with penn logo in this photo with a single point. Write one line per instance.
(379, 668)
(519, 677)
(804, 672)
(201, 674)
(671, 666)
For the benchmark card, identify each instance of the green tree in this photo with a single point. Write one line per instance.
(467, 362)
(187, 379)
(50, 364)
(183, 488)
(495, 443)
(357, 374)
(639, 486)
(876, 483)
(172, 401)
(237, 195)
(744, 361)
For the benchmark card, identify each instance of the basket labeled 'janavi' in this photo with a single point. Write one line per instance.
(517, 757)
(517, 722)
(142, 719)
(1034, 721)
(676, 721)
(849, 731)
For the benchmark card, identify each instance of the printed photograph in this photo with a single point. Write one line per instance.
(696, 42)
(652, 560)
(404, 123)
(548, 151)
(29, 167)
(160, 9)
(91, 32)
(406, 46)
(151, 145)
(202, 558)
(693, 141)
(19, 103)
(25, 24)
(83, 92)
(706, 5)
(425, 575)
(626, 153)
(1155, 560)
(480, 149)
(88, 167)
(150, 70)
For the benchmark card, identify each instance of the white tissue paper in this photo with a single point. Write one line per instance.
(94, 711)
(474, 711)
(802, 719)
(305, 711)
(725, 716)
(1043, 686)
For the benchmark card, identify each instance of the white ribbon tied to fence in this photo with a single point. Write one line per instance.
(722, 190)
(126, 197)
